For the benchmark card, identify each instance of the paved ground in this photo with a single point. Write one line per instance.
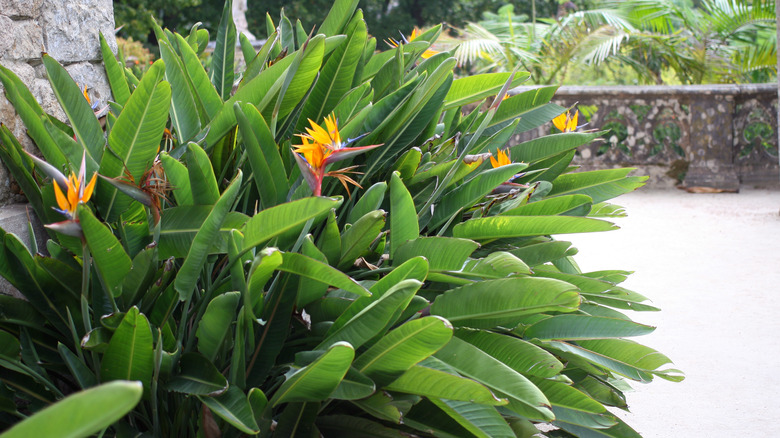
(711, 262)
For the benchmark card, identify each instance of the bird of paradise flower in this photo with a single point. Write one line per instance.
(323, 146)
(415, 33)
(567, 122)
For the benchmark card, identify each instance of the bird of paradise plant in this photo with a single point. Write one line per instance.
(321, 147)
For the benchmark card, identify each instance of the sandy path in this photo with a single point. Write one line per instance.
(711, 262)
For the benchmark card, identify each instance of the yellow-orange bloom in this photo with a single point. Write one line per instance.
(415, 33)
(78, 191)
(315, 153)
(566, 122)
(502, 159)
(328, 137)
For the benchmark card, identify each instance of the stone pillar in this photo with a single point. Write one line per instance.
(68, 31)
(710, 153)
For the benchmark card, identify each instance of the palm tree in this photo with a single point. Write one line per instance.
(721, 41)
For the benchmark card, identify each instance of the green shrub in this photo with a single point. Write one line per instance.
(420, 293)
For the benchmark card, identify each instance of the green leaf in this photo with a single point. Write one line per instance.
(482, 421)
(622, 356)
(416, 268)
(263, 153)
(318, 380)
(111, 260)
(335, 78)
(550, 145)
(600, 185)
(429, 382)
(216, 323)
(375, 317)
(522, 356)
(184, 112)
(562, 395)
(78, 369)
(188, 274)
(476, 364)
(206, 96)
(115, 73)
(233, 407)
(402, 348)
(179, 225)
(179, 178)
(571, 205)
(498, 302)
(354, 386)
(580, 327)
(442, 253)
(370, 200)
(83, 121)
(224, 52)
(337, 17)
(134, 139)
(197, 376)
(466, 195)
(75, 416)
(308, 267)
(278, 220)
(470, 89)
(403, 217)
(130, 355)
(356, 240)
(500, 227)
(203, 182)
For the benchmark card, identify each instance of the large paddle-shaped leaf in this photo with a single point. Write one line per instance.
(134, 139)
(263, 153)
(190, 269)
(81, 414)
(308, 267)
(216, 323)
(403, 347)
(83, 121)
(403, 217)
(499, 302)
(600, 185)
(278, 220)
(470, 361)
(336, 74)
(130, 355)
(318, 380)
(224, 53)
(473, 88)
(233, 407)
(499, 227)
(111, 260)
(375, 317)
(430, 382)
(197, 376)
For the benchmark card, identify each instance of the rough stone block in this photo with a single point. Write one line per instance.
(94, 77)
(21, 8)
(71, 29)
(21, 40)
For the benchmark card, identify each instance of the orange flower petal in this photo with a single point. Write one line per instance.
(62, 201)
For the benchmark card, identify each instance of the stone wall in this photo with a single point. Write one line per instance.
(66, 30)
(715, 136)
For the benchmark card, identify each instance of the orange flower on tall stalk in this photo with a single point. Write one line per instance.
(502, 159)
(322, 146)
(415, 33)
(69, 193)
(566, 122)
(78, 190)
